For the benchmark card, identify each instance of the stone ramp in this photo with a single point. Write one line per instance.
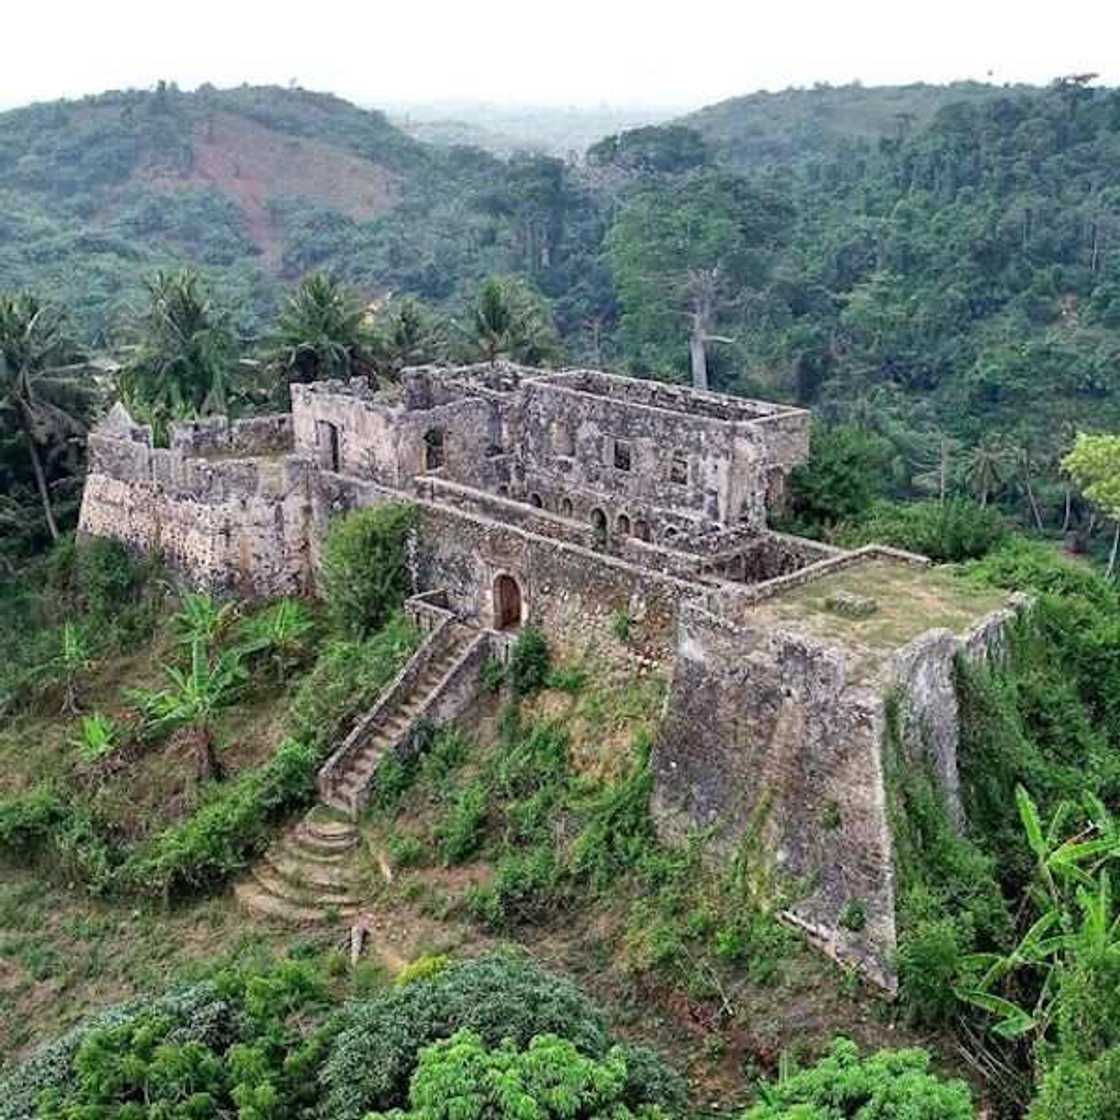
(307, 876)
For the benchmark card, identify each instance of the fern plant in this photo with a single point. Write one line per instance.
(97, 738)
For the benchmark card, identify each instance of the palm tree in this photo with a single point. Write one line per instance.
(984, 467)
(406, 333)
(322, 333)
(184, 352)
(508, 319)
(38, 394)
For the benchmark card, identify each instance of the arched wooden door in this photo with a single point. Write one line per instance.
(507, 603)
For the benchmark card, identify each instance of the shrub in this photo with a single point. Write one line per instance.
(841, 479)
(949, 531)
(242, 1044)
(105, 574)
(499, 996)
(365, 567)
(231, 827)
(26, 819)
(461, 832)
(347, 678)
(549, 1080)
(529, 662)
(423, 968)
(890, 1085)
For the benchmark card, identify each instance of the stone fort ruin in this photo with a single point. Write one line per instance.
(560, 499)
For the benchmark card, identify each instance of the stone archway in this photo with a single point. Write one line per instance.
(508, 604)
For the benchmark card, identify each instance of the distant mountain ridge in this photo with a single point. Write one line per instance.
(795, 124)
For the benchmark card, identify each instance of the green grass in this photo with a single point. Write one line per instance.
(909, 599)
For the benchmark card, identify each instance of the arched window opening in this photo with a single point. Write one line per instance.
(566, 507)
(433, 449)
(641, 530)
(599, 524)
(623, 525)
(678, 469)
(536, 501)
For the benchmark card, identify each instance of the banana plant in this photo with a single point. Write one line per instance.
(1073, 893)
(279, 635)
(202, 619)
(193, 700)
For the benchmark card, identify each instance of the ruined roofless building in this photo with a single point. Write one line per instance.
(560, 499)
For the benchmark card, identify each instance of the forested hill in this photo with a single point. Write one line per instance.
(795, 125)
(939, 266)
(251, 183)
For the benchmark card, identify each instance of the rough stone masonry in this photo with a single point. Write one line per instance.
(560, 499)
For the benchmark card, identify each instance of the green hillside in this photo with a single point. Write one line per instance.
(251, 184)
(797, 124)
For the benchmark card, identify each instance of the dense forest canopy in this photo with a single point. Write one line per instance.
(936, 265)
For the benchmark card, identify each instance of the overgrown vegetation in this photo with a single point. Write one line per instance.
(275, 1039)
(219, 656)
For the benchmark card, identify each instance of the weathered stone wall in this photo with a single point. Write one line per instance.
(764, 729)
(217, 435)
(762, 732)
(646, 450)
(223, 522)
(569, 591)
(349, 430)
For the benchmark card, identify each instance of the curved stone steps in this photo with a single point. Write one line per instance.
(307, 876)
(299, 892)
(260, 903)
(314, 874)
(304, 838)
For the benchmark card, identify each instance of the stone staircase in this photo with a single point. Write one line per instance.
(345, 780)
(309, 875)
(306, 877)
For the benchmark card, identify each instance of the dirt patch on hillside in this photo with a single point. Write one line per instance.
(252, 164)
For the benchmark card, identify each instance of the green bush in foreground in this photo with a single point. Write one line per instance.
(272, 1042)
(889, 1085)
(499, 997)
(464, 1079)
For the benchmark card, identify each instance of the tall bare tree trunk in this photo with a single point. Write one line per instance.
(698, 353)
(1069, 510)
(40, 481)
(1034, 504)
(1115, 548)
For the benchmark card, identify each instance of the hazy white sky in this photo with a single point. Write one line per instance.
(565, 52)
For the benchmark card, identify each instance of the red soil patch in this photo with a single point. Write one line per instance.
(252, 164)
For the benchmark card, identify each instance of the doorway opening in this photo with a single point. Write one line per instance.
(326, 437)
(507, 603)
